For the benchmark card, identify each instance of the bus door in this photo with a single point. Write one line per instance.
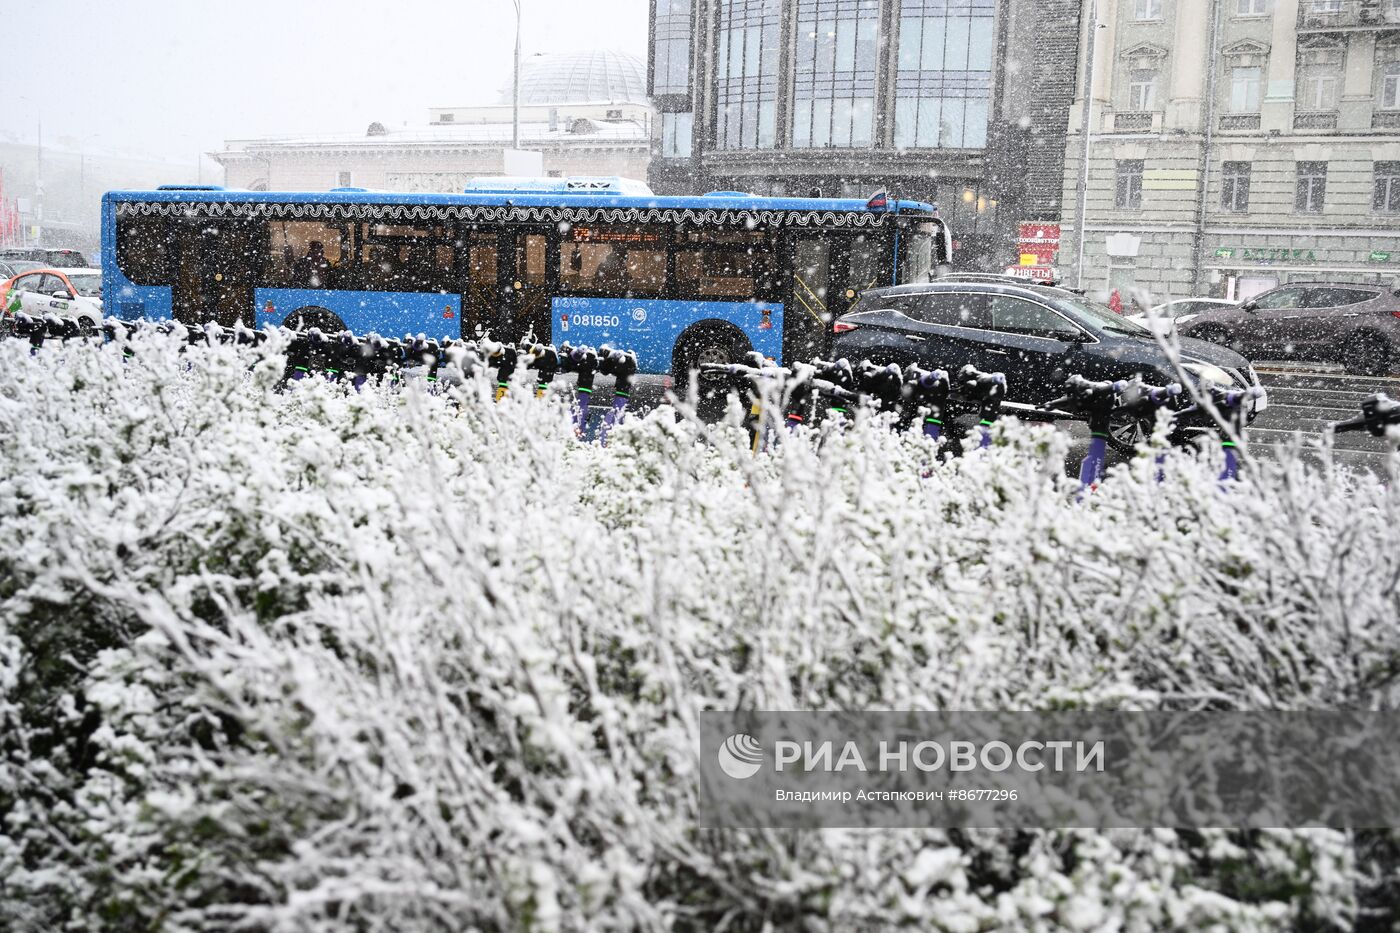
(218, 263)
(865, 260)
(806, 257)
(531, 285)
(481, 299)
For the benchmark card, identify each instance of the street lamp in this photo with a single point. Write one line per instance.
(515, 85)
(1081, 218)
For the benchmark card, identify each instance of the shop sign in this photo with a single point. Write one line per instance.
(1266, 254)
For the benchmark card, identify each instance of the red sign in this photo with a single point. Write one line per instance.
(1041, 240)
(1034, 273)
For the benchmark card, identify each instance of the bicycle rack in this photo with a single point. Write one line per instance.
(986, 391)
(925, 392)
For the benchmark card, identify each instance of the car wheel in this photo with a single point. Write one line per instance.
(1125, 432)
(1366, 355)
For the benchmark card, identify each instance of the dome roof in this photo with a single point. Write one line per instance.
(575, 77)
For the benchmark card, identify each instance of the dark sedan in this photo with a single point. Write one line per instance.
(1034, 334)
(1357, 326)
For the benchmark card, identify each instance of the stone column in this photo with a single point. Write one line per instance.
(1276, 110)
(1357, 100)
(1188, 62)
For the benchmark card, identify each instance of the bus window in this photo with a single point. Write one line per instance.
(715, 274)
(145, 250)
(402, 258)
(917, 250)
(307, 254)
(718, 263)
(613, 259)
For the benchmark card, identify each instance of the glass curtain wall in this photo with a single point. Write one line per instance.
(834, 73)
(943, 73)
(672, 48)
(746, 74)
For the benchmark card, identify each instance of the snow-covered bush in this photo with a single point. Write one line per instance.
(390, 660)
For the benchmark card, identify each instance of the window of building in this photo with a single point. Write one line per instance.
(746, 74)
(343, 179)
(1234, 187)
(447, 118)
(1251, 7)
(1387, 196)
(1127, 185)
(1388, 75)
(1312, 187)
(671, 48)
(613, 115)
(1147, 9)
(676, 129)
(1244, 89)
(834, 73)
(1142, 82)
(1322, 7)
(943, 74)
(1319, 75)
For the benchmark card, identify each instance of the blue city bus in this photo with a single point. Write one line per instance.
(680, 280)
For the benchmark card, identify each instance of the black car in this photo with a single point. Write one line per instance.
(1034, 334)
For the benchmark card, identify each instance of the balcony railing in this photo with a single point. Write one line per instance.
(1385, 120)
(1315, 120)
(1239, 121)
(1133, 121)
(1323, 15)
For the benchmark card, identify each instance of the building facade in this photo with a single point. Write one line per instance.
(959, 102)
(1236, 145)
(585, 113)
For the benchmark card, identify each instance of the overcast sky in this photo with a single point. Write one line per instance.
(168, 78)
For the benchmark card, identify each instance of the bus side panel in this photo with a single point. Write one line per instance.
(650, 327)
(391, 314)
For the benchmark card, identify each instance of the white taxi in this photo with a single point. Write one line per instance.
(71, 294)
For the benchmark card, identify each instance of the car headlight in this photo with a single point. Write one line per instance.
(1206, 372)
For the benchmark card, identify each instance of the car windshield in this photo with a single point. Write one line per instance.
(88, 285)
(1106, 317)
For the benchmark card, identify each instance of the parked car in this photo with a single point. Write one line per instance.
(1035, 334)
(50, 257)
(1165, 318)
(74, 294)
(1355, 325)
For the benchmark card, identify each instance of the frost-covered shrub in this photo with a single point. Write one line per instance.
(318, 659)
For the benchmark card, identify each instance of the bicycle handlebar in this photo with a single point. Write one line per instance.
(1378, 412)
(1088, 397)
(977, 386)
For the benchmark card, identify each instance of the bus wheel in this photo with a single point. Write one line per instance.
(708, 342)
(304, 319)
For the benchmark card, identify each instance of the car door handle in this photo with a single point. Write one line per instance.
(915, 337)
(997, 352)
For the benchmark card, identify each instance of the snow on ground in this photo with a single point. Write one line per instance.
(388, 660)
